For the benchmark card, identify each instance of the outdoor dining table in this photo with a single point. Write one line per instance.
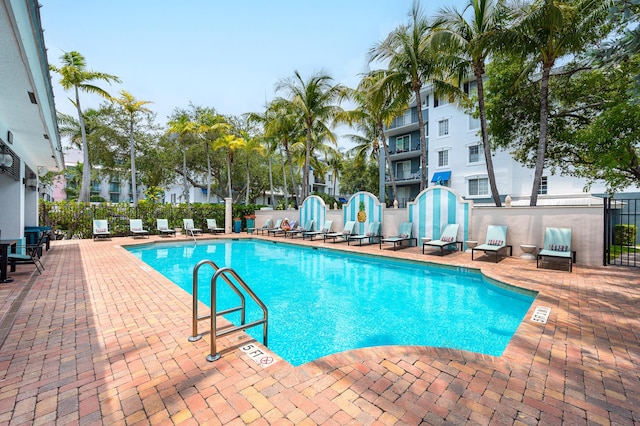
(4, 261)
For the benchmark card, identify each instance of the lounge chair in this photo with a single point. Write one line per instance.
(347, 231)
(448, 237)
(189, 228)
(212, 227)
(495, 241)
(372, 234)
(32, 253)
(285, 226)
(557, 244)
(136, 229)
(271, 225)
(326, 228)
(101, 229)
(163, 228)
(268, 224)
(404, 234)
(308, 226)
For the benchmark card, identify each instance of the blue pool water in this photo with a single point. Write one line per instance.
(322, 301)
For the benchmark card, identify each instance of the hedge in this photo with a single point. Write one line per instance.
(70, 219)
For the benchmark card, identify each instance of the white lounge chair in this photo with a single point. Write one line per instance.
(212, 227)
(163, 228)
(136, 229)
(189, 228)
(101, 229)
(308, 226)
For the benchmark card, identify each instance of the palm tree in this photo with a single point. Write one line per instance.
(546, 31)
(74, 75)
(314, 101)
(250, 145)
(412, 60)
(470, 42)
(131, 107)
(211, 126)
(181, 128)
(282, 124)
(378, 101)
(229, 142)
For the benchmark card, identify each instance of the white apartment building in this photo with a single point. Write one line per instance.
(456, 160)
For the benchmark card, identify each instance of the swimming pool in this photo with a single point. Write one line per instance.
(323, 301)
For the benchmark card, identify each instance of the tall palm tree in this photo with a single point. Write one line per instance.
(132, 106)
(282, 124)
(181, 127)
(470, 42)
(412, 60)
(210, 126)
(75, 75)
(546, 31)
(250, 145)
(379, 100)
(230, 143)
(269, 141)
(316, 101)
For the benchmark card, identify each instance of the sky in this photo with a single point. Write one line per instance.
(225, 54)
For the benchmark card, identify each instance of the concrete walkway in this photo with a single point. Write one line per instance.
(100, 338)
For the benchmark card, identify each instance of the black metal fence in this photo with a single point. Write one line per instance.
(75, 220)
(621, 237)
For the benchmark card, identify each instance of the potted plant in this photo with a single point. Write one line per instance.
(237, 225)
(251, 220)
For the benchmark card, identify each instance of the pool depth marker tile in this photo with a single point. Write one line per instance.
(541, 314)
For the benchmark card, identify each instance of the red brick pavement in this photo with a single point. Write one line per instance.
(102, 339)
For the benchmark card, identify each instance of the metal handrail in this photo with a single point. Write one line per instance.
(213, 314)
(194, 291)
(214, 355)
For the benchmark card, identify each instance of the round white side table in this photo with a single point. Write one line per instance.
(470, 244)
(527, 251)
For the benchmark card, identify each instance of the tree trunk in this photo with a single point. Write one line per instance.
(307, 156)
(542, 141)
(85, 187)
(293, 175)
(488, 159)
(246, 197)
(385, 146)
(284, 180)
(273, 204)
(208, 174)
(184, 172)
(423, 137)
(229, 174)
(132, 148)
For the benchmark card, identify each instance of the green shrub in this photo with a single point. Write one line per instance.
(625, 235)
(76, 219)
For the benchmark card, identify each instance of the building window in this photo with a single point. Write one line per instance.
(474, 123)
(114, 197)
(476, 153)
(443, 127)
(403, 143)
(443, 158)
(403, 170)
(440, 100)
(471, 89)
(543, 186)
(478, 186)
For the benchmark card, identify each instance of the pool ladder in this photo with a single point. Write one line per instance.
(213, 313)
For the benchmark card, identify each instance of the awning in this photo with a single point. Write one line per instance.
(441, 176)
(342, 200)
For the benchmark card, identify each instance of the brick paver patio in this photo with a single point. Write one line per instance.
(100, 338)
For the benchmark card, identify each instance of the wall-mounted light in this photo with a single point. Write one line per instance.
(9, 136)
(6, 159)
(32, 183)
(32, 97)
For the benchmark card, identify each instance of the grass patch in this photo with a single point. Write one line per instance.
(617, 251)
